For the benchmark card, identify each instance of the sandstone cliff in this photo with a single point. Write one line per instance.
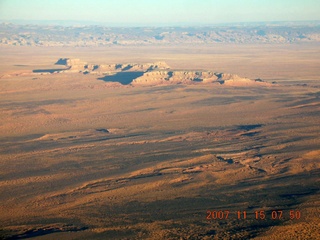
(76, 65)
(188, 77)
(158, 73)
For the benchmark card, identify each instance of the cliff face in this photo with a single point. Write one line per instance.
(75, 65)
(175, 77)
(157, 73)
(187, 77)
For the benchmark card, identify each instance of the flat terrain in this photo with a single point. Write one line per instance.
(81, 158)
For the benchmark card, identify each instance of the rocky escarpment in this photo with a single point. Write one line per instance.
(158, 73)
(76, 65)
(160, 77)
(188, 77)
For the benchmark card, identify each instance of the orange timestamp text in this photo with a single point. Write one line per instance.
(258, 215)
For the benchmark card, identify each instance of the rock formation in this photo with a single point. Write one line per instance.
(187, 77)
(158, 73)
(76, 65)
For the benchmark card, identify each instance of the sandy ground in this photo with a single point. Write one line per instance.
(86, 159)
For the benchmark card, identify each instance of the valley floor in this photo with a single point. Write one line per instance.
(86, 159)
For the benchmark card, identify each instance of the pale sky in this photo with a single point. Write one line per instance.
(161, 12)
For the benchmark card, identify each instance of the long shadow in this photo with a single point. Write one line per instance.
(124, 78)
(49, 70)
(41, 232)
(249, 127)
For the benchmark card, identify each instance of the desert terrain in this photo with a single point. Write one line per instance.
(82, 157)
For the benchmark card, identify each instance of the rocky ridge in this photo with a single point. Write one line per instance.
(76, 65)
(158, 73)
(189, 77)
(84, 36)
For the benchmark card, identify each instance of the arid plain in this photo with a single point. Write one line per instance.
(82, 158)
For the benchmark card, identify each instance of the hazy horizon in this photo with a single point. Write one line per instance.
(157, 13)
(71, 23)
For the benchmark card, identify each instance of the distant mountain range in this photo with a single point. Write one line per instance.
(95, 35)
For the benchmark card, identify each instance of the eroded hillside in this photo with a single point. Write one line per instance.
(35, 35)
